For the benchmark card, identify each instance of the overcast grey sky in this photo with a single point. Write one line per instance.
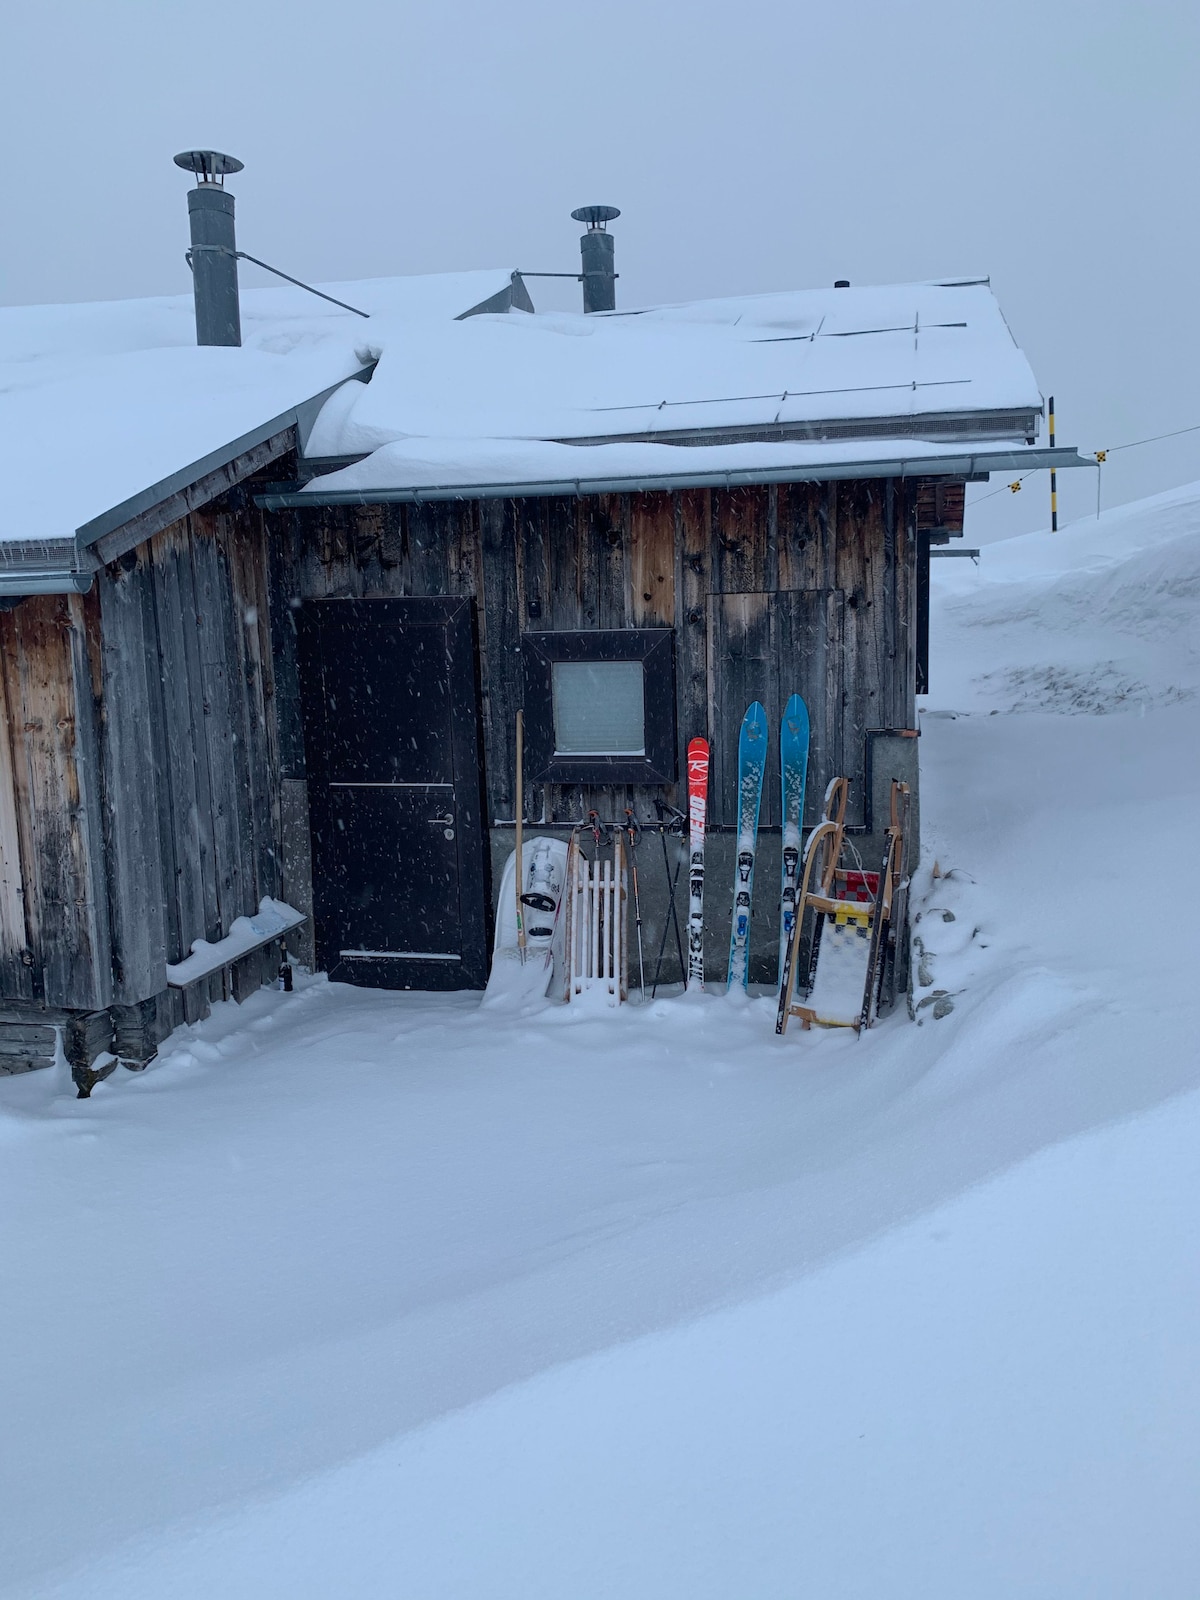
(751, 145)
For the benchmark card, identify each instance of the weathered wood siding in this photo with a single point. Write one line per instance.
(152, 779)
(56, 942)
(139, 795)
(192, 793)
(807, 588)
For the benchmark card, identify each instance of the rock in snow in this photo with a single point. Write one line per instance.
(360, 1294)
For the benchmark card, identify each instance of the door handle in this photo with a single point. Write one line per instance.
(441, 822)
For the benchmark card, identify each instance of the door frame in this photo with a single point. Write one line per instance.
(456, 615)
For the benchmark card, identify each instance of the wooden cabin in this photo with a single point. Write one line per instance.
(264, 638)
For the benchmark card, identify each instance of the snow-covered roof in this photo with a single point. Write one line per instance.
(107, 409)
(100, 403)
(821, 362)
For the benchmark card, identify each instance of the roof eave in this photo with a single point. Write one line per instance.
(976, 464)
(1008, 422)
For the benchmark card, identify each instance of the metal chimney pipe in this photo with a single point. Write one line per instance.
(213, 255)
(596, 248)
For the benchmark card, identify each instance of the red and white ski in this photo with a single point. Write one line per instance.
(697, 764)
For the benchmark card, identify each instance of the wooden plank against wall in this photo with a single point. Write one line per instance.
(131, 790)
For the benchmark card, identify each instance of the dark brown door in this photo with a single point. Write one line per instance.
(391, 737)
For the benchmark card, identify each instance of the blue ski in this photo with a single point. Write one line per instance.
(793, 768)
(752, 762)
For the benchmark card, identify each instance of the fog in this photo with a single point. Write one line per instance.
(755, 146)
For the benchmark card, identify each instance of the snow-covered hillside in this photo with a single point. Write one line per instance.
(363, 1294)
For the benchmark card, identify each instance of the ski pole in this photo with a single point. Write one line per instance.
(631, 829)
(672, 918)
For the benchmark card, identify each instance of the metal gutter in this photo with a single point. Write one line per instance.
(976, 465)
(15, 585)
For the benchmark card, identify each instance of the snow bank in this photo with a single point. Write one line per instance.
(1103, 617)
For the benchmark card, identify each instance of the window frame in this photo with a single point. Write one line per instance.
(655, 649)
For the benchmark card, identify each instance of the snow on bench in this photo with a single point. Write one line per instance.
(271, 921)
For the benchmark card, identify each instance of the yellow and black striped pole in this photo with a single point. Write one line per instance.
(1053, 477)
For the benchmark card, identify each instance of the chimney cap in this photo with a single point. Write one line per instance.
(210, 166)
(595, 216)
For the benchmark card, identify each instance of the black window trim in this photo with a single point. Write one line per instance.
(655, 649)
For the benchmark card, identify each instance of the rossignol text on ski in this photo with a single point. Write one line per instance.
(793, 772)
(752, 761)
(697, 764)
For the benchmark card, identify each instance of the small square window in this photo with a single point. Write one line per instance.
(599, 708)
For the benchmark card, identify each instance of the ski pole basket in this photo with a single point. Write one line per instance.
(594, 923)
(853, 918)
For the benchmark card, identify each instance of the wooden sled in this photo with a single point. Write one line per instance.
(856, 917)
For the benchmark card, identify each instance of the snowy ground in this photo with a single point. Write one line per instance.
(358, 1294)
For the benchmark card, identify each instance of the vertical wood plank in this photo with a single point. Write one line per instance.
(246, 557)
(217, 728)
(15, 972)
(693, 523)
(741, 525)
(798, 540)
(195, 894)
(859, 535)
(741, 670)
(131, 790)
(62, 795)
(651, 561)
(430, 527)
(502, 681)
(285, 589)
